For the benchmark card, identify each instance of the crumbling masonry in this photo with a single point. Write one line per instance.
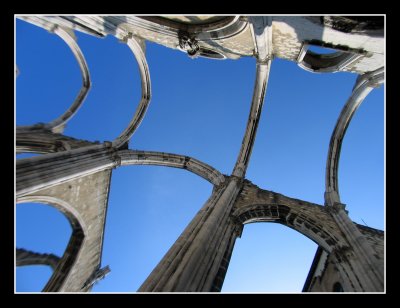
(74, 175)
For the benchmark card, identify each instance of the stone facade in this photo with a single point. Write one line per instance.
(74, 175)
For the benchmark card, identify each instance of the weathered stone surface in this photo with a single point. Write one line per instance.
(288, 35)
(26, 257)
(74, 175)
(376, 239)
(198, 260)
(84, 202)
(357, 259)
(312, 220)
(40, 140)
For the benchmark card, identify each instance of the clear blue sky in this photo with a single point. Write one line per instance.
(199, 108)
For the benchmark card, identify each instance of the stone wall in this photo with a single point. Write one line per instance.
(85, 199)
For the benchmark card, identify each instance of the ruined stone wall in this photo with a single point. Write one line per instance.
(327, 276)
(335, 266)
(376, 238)
(312, 220)
(85, 199)
(199, 260)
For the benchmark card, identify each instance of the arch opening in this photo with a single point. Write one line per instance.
(337, 287)
(321, 50)
(51, 62)
(114, 80)
(282, 268)
(201, 120)
(289, 155)
(361, 163)
(194, 24)
(53, 236)
(161, 207)
(316, 59)
(299, 218)
(40, 229)
(32, 278)
(116, 91)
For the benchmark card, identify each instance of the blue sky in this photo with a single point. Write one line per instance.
(199, 108)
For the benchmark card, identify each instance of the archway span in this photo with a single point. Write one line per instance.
(295, 218)
(325, 63)
(137, 47)
(58, 124)
(68, 210)
(193, 25)
(364, 85)
(74, 245)
(362, 163)
(34, 174)
(149, 206)
(25, 257)
(269, 257)
(132, 157)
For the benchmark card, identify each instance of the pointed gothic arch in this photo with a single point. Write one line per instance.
(74, 245)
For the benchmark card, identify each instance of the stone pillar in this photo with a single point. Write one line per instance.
(198, 260)
(357, 265)
(35, 173)
(234, 231)
(84, 203)
(59, 276)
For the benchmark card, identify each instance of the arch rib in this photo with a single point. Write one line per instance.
(132, 157)
(254, 117)
(67, 36)
(57, 124)
(135, 46)
(40, 172)
(71, 253)
(25, 257)
(261, 27)
(298, 218)
(364, 84)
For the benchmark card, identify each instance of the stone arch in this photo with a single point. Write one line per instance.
(25, 257)
(137, 46)
(296, 219)
(67, 35)
(322, 224)
(69, 38)
(363, 86)
(325, 63)
(74, 245)
(282, 267)
(158, 212)
(194, 25)
(207, 172)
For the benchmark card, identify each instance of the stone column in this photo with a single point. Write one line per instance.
(357, 264)
(57, 280)
(198, 260)
(234, 230)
